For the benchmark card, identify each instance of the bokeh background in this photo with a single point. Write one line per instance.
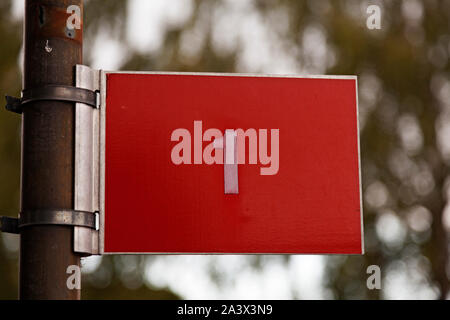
(404, 99)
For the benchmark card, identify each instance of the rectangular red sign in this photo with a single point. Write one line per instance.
(214, 163)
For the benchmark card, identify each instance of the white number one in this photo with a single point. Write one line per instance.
(230, 166)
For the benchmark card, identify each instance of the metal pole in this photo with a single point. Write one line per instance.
(51, 53)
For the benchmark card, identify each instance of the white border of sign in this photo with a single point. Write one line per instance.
(103, 107)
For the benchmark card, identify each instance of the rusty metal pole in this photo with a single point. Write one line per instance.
(51, 53)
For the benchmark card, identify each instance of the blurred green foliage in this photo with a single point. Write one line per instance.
(10, 82)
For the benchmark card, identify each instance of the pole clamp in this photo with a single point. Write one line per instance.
(53, 93)
(48, 217)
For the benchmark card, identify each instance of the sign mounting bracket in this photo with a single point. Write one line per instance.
(83, 217)
(87, 159)
(53, 93)
(48, 217)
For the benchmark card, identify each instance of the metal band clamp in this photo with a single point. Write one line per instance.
(53, 93)
(48, 217)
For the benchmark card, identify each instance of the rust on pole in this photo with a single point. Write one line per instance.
(51, 53)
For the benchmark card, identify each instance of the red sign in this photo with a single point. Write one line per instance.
(211, 163)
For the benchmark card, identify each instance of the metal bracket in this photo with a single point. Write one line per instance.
(87, 159)
(57, 217)
(53, 92)
(49, 217)
(86, 95)
(13, 104)
(9, 225)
